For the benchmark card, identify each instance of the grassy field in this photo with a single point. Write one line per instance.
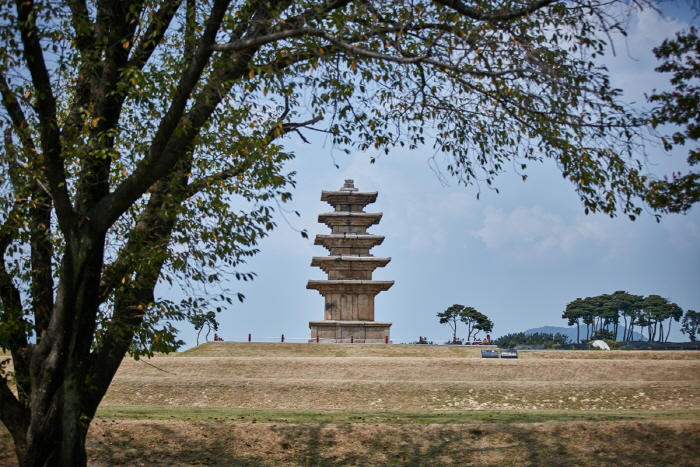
(306, 404)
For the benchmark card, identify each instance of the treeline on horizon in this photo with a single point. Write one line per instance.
(620, 316)
(535, 338)
(603, 315)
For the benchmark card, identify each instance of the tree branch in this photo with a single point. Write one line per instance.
(14, 416)
(316, 13)
(107, 103)
(19, 120)
(144, 238)
(152, 37)
(40, 209)
(141, 239)
(477, 15)
(12, 311)
(156, 164)
(46, 107)
(246, 44)
(41, 259)
(151, 236)
(82, 26)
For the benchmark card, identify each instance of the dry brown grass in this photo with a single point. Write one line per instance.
(390, 379)
(256, 349)
(409, 369)
(163, 443)
(330, 395)
(267, 376)
(219, 444)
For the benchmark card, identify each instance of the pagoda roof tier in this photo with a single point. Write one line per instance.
(341, 200)
(349, 262)
(359, 261)
(349, 286)
(337, 322)
(351, 219)
(347, 239)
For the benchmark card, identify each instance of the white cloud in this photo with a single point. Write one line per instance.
(633, 67)
(528, 234)
(419, 211)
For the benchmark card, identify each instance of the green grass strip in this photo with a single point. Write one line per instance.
(228, 414)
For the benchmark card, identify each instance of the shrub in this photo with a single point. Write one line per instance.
(537, 338)
(458, 341)
(425, 342)
(603, 335)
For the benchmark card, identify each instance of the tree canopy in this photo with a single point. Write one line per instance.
(535, 338)
(142, 144)
(451, 317)
(603, 312)
(475, 322)
(691, 324)
(202, 320)
(681, 57)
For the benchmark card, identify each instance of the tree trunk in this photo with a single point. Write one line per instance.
(70, 372)
(578, 332)
(60, 400)
(58, 438)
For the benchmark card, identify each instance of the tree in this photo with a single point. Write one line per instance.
(451, 317)
(586, 310)
(656, 310)
(573, 313)
(681, 57)
(475, 322)
(602, 311)
(201, 319)
(142, 144)
(603, 334)
(627, 306)
(691, 324)
(484, 324)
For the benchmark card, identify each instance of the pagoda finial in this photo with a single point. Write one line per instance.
(349, 185)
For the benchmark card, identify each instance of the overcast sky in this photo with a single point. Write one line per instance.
(519, 256)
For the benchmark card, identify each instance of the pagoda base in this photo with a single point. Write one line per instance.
(359, 332)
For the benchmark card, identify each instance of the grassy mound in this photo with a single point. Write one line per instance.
(397, 405)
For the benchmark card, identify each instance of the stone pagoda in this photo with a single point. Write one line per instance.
(349, 291)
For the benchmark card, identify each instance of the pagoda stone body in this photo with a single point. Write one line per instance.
(349, 291)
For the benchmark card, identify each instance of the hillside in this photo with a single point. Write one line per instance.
(294, 405)
(400, 377)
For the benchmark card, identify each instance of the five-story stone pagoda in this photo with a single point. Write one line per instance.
(349, 291)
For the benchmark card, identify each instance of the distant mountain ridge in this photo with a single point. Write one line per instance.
(571, 332)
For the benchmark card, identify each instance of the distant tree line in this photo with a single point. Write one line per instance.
(536, 338)
(604, 314)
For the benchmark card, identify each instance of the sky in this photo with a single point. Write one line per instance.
(517, 256)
